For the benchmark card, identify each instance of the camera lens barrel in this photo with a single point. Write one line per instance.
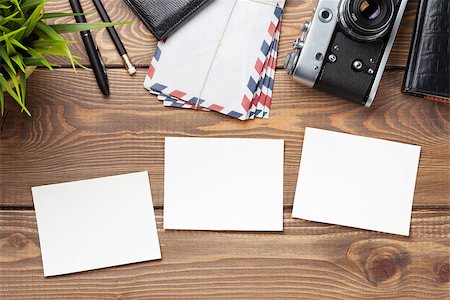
(366, 20)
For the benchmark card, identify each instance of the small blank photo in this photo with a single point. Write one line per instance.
(223, 184)
(356, 181)
(96, 223)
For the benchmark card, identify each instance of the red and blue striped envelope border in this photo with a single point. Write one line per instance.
(252, 84)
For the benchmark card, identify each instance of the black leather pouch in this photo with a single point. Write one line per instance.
(162, 17)
(427, 73)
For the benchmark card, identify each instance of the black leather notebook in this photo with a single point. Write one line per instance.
(162, 17)
(427, 73)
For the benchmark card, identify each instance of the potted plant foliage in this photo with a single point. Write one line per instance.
(26, 39)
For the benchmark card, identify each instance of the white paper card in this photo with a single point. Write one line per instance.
(96, 223)
(235, 58)
(356, 181)
(187, 55)
(209, 184)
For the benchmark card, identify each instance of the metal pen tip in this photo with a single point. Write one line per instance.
(128, 65)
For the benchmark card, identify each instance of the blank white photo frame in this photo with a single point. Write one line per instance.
(223, 184)
(96, 223)
(356, 181)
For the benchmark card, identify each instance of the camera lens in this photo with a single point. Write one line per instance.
(369, 9)
(366, 20)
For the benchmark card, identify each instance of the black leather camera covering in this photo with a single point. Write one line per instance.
(162, 17)
(339, 78)
(427, 73)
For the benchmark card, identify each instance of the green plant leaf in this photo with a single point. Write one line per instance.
(5, 57)
(59, 15)
(23, 86)
(16, 3)
(13, 76)
(10, 91)
(10, 48)
(52, 34)
(37, 55)
(27, 4)
(51, 51)
(5, 36)
(34, 18)
(17, 59)
(17, 43)
(41, 62)
(65, 28)
(4, 29)
(2, 100)
(50, 43)
(4, 20)
(7, 88)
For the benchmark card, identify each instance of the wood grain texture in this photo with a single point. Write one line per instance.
(307, 261)
(76, 133)
(141, 44)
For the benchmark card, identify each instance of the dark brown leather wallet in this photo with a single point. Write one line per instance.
(162, 17)
(427, 73)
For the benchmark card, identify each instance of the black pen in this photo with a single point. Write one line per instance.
(115, 37)
(94, 54)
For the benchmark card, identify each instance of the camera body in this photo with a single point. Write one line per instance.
(343, 50)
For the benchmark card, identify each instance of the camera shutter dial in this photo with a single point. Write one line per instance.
(291, 59)
(306, 26)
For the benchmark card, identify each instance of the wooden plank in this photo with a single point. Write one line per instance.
(307, 261)
(76, 133)
(141, 44)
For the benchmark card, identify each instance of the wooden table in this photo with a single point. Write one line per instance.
(76, 133)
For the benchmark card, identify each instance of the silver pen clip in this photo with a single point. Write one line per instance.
(102, 63)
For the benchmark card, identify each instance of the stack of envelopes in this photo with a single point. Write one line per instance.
(222, 60)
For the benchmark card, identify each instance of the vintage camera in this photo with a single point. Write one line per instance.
(343, 50)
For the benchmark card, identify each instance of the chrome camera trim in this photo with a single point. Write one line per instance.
(308, 67)
(387, 51)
